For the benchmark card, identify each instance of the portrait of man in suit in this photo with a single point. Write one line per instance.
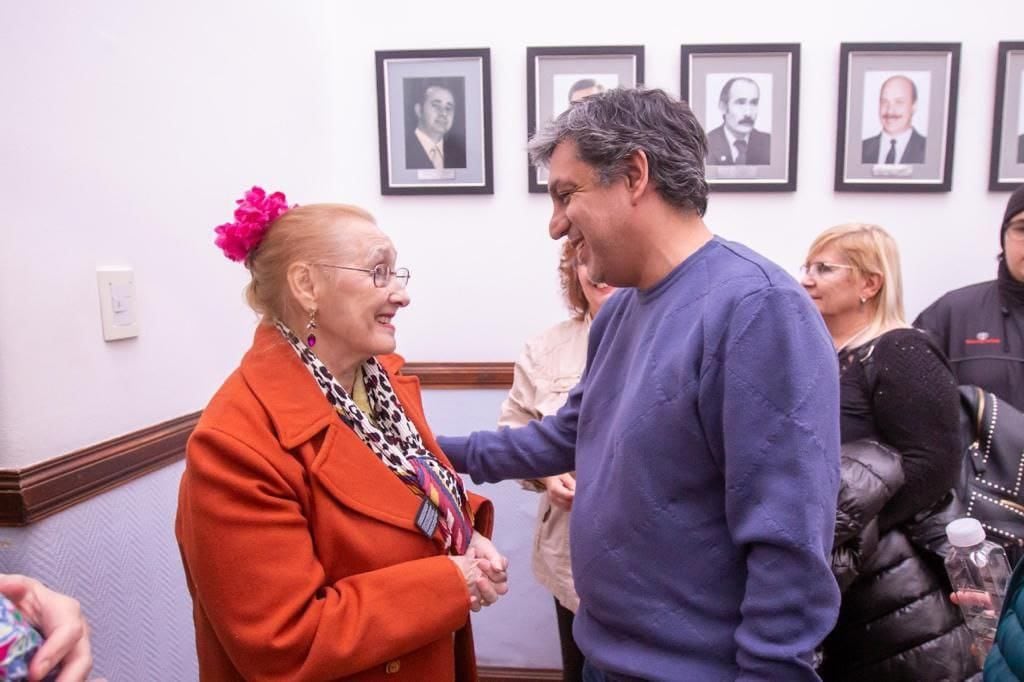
(736, 142)
(432, 143)
(898, 142)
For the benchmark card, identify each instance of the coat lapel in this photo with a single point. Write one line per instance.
(347, 469)
(355, 477)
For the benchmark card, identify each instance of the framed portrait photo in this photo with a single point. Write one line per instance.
(558, 76)
(434, 120)
(897, 116)
(1007, 171)
(747, 99)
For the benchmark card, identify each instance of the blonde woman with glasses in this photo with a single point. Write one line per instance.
(896, 388)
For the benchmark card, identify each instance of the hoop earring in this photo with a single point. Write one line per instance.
(311, 339)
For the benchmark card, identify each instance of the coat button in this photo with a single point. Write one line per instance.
(393, 667)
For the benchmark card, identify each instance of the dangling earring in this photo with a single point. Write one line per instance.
(311, 339)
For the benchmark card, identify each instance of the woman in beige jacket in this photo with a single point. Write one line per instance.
(550, 365)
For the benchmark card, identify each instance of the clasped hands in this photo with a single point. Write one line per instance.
(485, 571)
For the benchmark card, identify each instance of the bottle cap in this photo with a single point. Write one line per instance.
(965, 532)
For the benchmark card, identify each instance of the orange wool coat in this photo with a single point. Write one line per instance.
(299, 546)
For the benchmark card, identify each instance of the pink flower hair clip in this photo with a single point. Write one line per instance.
(255, 212)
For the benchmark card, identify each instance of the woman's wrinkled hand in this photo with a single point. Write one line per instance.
(493, 563)
(485, 571)
(469, 565)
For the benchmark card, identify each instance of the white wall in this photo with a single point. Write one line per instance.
(128, 128)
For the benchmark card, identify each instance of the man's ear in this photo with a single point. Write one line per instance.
(418, 110)
(637, 174)
(303, 285)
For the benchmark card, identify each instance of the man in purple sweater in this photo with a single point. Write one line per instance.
(705, 431)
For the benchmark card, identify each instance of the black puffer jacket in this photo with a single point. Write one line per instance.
(896, 621)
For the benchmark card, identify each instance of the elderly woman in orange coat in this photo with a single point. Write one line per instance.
(323, 532)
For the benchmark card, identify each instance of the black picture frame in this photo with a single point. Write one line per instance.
(914, 160)
(1006, 171)
(710, 76)
(404, 77)
(552, 73)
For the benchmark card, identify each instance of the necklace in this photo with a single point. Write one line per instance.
(848, 342)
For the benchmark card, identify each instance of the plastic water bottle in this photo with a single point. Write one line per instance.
(979, 573)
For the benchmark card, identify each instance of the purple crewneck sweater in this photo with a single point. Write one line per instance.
(705, 439)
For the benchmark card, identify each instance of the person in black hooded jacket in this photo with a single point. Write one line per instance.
(896, 388)
(981, 327)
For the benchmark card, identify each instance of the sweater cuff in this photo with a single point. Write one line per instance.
(454, 448)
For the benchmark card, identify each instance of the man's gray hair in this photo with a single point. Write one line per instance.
(608, 127)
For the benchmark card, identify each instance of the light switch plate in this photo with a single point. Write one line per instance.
(118, 305)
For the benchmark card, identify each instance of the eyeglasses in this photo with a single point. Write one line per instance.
(823, 269)
(382, 274)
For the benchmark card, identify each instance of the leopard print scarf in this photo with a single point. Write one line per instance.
(396, 442)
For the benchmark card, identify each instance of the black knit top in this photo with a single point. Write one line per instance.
(899, 389)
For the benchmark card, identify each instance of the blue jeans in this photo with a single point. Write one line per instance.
(591, 673)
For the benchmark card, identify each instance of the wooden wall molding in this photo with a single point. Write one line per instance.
(461, 374)
(497, 674)
(39, 490)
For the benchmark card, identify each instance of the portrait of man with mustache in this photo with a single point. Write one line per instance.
(898, 142)
(736, 142)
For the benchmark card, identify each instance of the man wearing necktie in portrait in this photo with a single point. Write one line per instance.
(736, 142)
(432, 142)
(898, 142)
